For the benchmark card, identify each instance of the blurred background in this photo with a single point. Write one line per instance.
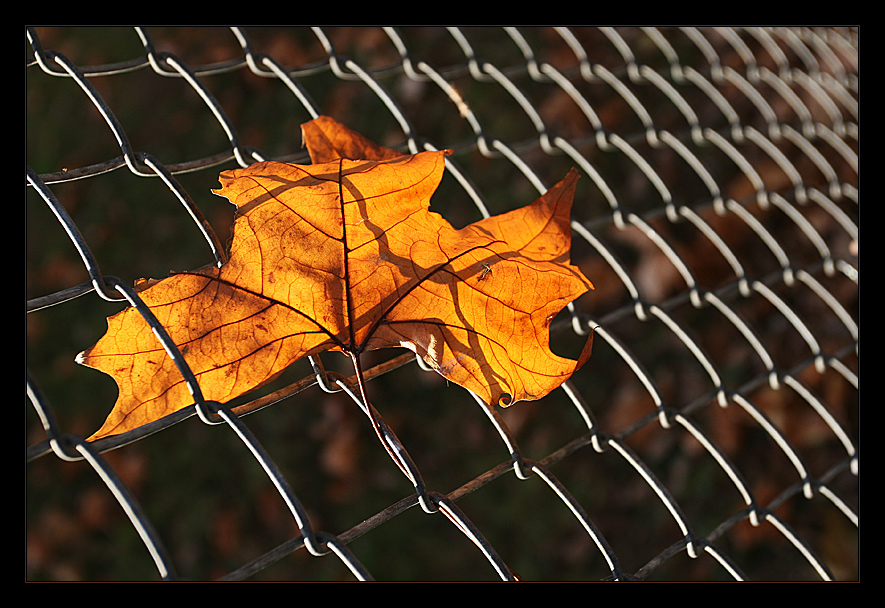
(769, 116)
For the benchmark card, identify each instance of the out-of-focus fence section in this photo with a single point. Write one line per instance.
(712, 436)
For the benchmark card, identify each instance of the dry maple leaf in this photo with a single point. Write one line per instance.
(345, 255)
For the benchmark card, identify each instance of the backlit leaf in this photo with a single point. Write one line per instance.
(345, 255)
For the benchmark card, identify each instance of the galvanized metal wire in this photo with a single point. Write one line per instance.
(712, 436)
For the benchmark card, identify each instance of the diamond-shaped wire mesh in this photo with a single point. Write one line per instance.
(713, 434)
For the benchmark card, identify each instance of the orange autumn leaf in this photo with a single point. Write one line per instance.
(345, 255)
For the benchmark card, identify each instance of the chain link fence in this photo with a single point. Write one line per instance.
(713, 435)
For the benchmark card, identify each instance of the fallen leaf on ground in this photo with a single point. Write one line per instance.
(344, 255)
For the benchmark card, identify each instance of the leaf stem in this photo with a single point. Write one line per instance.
(370, 412)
